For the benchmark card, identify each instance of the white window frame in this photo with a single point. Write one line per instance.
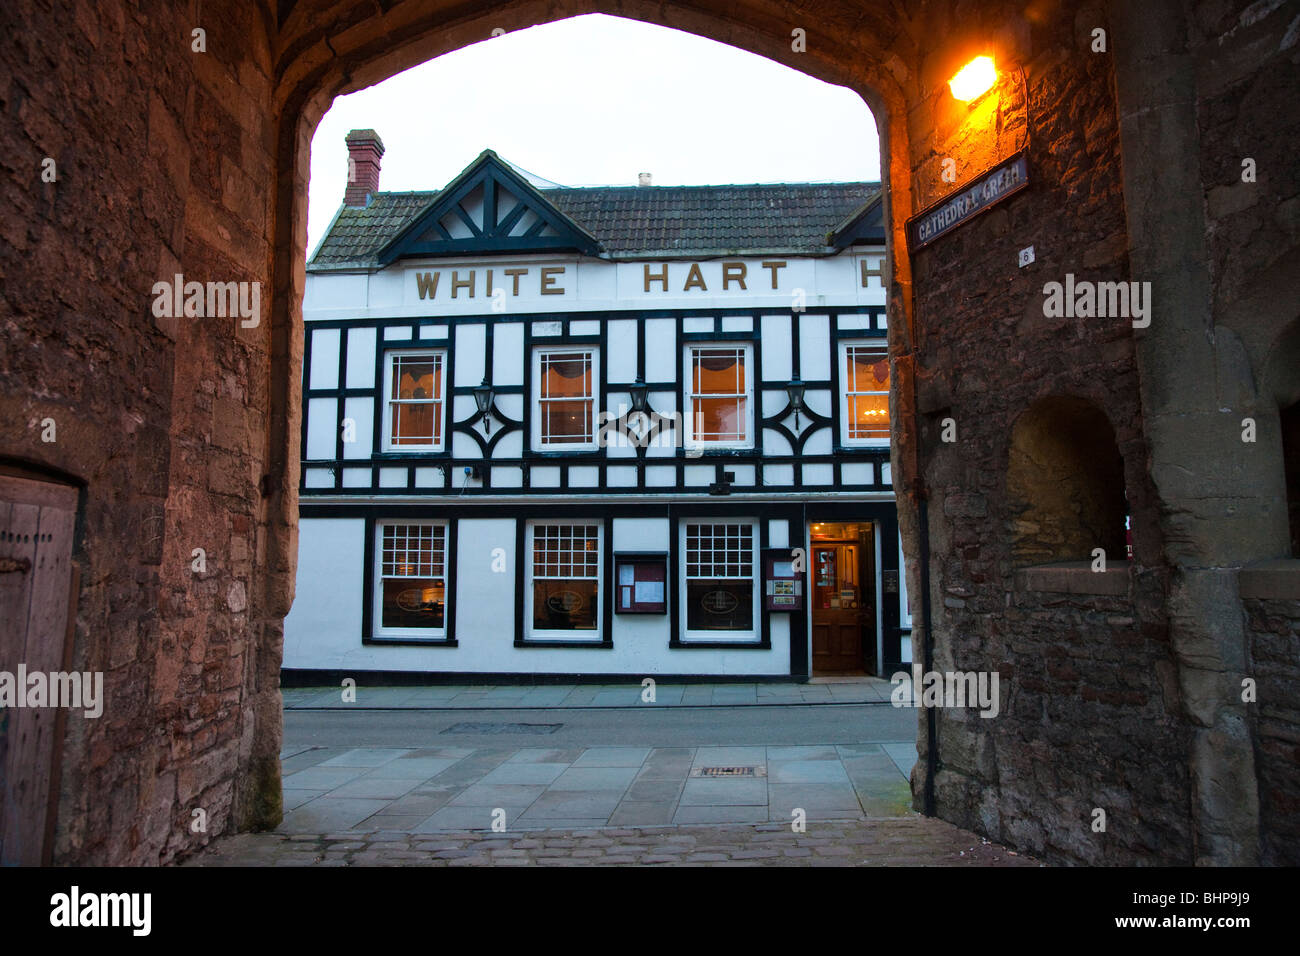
(753, 636)
(689, 394)
(377, 630)
(594, 636)
(537, 443)
(387, 399)
(875, 345)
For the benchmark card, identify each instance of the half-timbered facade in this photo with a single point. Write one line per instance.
(635, 431)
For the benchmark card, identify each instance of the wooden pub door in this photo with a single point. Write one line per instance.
(843, 598)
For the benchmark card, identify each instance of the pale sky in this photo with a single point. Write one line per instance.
(595, 100)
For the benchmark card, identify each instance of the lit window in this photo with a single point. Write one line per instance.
(719, 577)
(565, 587)
(412, 587)
(413, 412)
(565, 404)
(866, 394)
(720, 396)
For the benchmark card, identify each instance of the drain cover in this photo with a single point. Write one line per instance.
(729, 772)
(470, 727)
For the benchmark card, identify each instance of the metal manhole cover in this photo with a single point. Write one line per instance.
(729, 772)
(470, 727)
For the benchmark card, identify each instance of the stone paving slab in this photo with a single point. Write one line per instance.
(543, 696)
(428, 790)
(904, 841)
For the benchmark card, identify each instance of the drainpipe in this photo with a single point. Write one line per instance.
(931, 731)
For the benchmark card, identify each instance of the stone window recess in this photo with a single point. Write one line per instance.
(1065, 485)
(1290, 418)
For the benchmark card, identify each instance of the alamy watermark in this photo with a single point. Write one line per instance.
(213, 300)
(1085, 299)
(73, 690)
(947, 689)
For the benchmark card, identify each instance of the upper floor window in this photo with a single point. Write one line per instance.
(721, 396)
(413, 412)
(564, 399)
(866, 394)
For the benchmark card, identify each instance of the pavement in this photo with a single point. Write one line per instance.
(856, 690)
(430, 790)
(511, 788)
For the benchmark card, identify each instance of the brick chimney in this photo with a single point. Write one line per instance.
(365, 149)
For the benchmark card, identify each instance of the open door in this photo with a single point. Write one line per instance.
(843, 597)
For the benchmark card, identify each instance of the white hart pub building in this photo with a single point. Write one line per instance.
(592, 432)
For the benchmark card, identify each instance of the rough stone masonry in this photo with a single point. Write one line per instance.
(1161, 149)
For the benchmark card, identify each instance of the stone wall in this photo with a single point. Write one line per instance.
(1273, 629)
(162, 166)
(1087, 721)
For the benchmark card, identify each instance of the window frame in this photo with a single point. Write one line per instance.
(689, 395)
(875, 345)
(380, 633)
(594, 636)
(536, 444)
(386, 438)
(753, 636)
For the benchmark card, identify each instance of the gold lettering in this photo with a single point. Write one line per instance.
(427, 282)
(733, 270)
(694, 279)
(548, 280)
(774, 265)
(488, 291)
(515, 274)
(458, 283)
(877, 269)
(655, 277)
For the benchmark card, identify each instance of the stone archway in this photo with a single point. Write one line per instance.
(182, 428)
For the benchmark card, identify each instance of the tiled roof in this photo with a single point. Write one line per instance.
(639, 221)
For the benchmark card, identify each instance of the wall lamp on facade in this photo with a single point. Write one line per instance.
(974, 79)
(638, 391)
(795, 391)
(483, 398)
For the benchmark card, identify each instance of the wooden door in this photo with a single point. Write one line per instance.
(836, 609)
(37, 519)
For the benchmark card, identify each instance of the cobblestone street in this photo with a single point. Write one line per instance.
(902, 841)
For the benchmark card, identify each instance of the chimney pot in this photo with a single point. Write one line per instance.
(365, 149)
(643, 179)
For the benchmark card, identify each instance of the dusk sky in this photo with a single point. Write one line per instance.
(595, 100)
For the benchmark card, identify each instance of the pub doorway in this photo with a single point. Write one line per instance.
(843, 597)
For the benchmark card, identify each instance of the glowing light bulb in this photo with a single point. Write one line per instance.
(973, 79)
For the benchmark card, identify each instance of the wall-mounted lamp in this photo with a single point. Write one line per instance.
(795, 391)
(638, 391)
(483, 398)
(974, 79)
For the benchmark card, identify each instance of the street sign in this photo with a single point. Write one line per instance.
(1007, 177)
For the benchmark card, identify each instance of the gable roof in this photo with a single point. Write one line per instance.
(616, 222)
(488, 208)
